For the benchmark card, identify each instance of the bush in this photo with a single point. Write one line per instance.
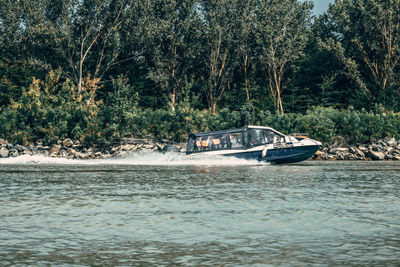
(53, 109)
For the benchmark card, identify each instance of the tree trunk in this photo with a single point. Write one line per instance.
(246, 82)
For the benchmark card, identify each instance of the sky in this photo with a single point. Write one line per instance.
(321, 6)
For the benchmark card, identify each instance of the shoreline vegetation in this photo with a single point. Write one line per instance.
(98, 71)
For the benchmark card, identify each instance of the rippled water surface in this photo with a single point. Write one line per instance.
(218, 212)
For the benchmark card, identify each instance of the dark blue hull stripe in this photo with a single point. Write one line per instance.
(280, 155)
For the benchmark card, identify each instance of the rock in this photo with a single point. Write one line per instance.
(14, 153)
(148, 146)
(71, 152)
(128, 147)
(77, 144)
(376, 155)
(389, 149)
(20, 148)
(63, 153)
(363, 149)
(105, 156)
(67, 142)
(54, 150)
(4, 152)
(98, 154)
(396, 157)
(319, 155)
(391, 142)
(357, 152)
(9, 146)
(340, 156)
(3, 142)
(41, 147)
(80, 155)
(380, 148)
(39, 142)
(338, 149)
(27, 152)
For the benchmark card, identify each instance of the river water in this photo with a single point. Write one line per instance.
(153, 210)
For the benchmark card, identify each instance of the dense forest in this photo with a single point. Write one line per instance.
(100, 69)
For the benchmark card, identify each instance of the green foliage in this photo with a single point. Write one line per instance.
(52, 109)
(195, 65)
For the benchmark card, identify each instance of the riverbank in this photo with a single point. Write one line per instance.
(73, 149)
(386, 149)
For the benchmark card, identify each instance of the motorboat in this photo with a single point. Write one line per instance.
(253, 142)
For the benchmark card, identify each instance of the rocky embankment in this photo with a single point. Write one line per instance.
(71, 149)
(387, 149)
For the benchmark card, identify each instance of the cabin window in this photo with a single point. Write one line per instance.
(211, 142)
(256, 137)
(272, 137)
(236, 140)
(191, 144)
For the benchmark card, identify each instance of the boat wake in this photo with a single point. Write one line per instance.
(137, 158)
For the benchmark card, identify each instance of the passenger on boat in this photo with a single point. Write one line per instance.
(198, 145)
(204, 144)
(216, 143)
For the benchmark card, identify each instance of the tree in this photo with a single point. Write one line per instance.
(92, 44)
(168, 39)
(281, 35)
(220, 51)
(245, 15)
(365, 37)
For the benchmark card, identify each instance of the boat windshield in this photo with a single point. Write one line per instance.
(264, 136)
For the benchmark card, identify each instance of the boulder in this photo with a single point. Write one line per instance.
(63, 153)
(3, 142)
(363, 149)
(71, 152)
(4, 152)
(338, 150)
(67, 142)
(54, 150)
(340, 156)
(319, 155)
(376, 155)
(80, 155)
(389, 149)
(391, 142)
(357, 152)
(77, 144)
(20, 148)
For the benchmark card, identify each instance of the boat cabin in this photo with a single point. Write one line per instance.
(243, 138)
